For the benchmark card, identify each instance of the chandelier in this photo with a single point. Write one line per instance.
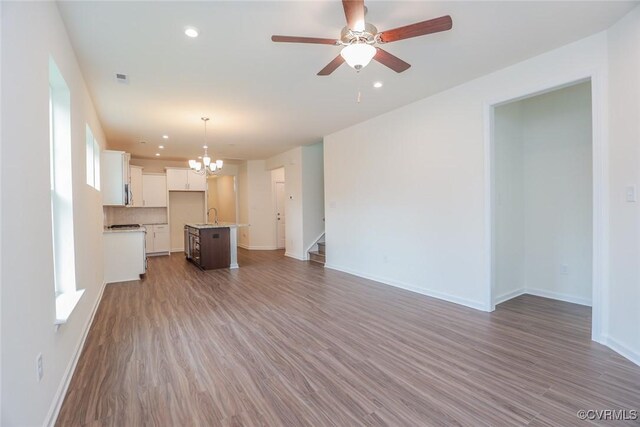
(206, 167)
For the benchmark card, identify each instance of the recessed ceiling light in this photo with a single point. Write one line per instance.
(204, 146)
(199, 157)
(161, 147)
(191, 32)
(377, 85)
(165, 136)
(157, 154)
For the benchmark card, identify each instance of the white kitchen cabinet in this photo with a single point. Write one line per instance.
(185, 180)
(124, 255)
(197, 182)
(161, 241)
(115, 179)
(154, 190)
(157, 239)
(135, 173)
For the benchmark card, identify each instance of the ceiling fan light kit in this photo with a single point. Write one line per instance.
(360, 37)
(358, 55)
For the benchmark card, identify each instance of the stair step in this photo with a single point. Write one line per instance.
(321, 247)
(317, 257)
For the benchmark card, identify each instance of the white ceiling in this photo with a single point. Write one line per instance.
(264, 98)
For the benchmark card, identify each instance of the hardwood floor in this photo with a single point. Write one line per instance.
(281, 342)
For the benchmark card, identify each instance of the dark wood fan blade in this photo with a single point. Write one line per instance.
(431, 26)
(332, 66)
(391, 61)
(293, 39)
(354, 12)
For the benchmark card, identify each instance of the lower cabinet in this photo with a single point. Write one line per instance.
(124, 257)
(157, 239)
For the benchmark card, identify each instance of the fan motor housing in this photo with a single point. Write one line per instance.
(347, 36)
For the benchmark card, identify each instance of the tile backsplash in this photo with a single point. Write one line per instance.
(121, 215)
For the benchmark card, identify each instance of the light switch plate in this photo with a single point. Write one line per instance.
(631, 193)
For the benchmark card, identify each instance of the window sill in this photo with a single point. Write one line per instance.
(65, 303)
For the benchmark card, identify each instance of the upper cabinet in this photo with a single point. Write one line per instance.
(115, 180)
(197, 182)
(135, 173)
(185, 180)
(154, 190)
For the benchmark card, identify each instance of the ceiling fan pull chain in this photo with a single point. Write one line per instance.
(359, 92)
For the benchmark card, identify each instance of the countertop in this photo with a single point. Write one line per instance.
(124, 230)
(218, 225)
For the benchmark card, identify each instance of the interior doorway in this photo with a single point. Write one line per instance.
(542, 204)
(280, 215)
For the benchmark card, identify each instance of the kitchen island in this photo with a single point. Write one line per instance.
(210, 246)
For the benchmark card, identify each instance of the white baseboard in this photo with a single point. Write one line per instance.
(558, 296)
(177, 249)
(509, 295)
(622, 350)
(54, 411)
(294, 256)
(257, 248)
(544, 294)
(409, 287)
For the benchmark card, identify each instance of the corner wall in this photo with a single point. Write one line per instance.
(31, 31)
(543, 208)
(421, 224)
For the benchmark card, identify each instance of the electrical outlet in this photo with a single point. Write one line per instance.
(40, 367)
(564, 269)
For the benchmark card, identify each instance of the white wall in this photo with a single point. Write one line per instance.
(624, 165)
(256, 206)
(184, 207)
(425, 229)
(544, 196)
(312, 195)
(31, 31)
(243, 205)
(509, 227)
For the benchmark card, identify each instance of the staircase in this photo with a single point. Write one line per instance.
(318, 256)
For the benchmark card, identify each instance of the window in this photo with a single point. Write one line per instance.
(92, 149)
(61, 195)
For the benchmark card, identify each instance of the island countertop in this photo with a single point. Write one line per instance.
(201, 226)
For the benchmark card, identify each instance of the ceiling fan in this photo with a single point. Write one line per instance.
(359, 39)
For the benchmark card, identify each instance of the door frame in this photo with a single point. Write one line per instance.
(275, 193)
(600, 190)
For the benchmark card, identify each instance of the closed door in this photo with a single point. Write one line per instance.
(280, 217)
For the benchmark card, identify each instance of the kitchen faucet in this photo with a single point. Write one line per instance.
(215, 217)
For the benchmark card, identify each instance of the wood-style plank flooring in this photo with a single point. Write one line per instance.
(281, 342)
